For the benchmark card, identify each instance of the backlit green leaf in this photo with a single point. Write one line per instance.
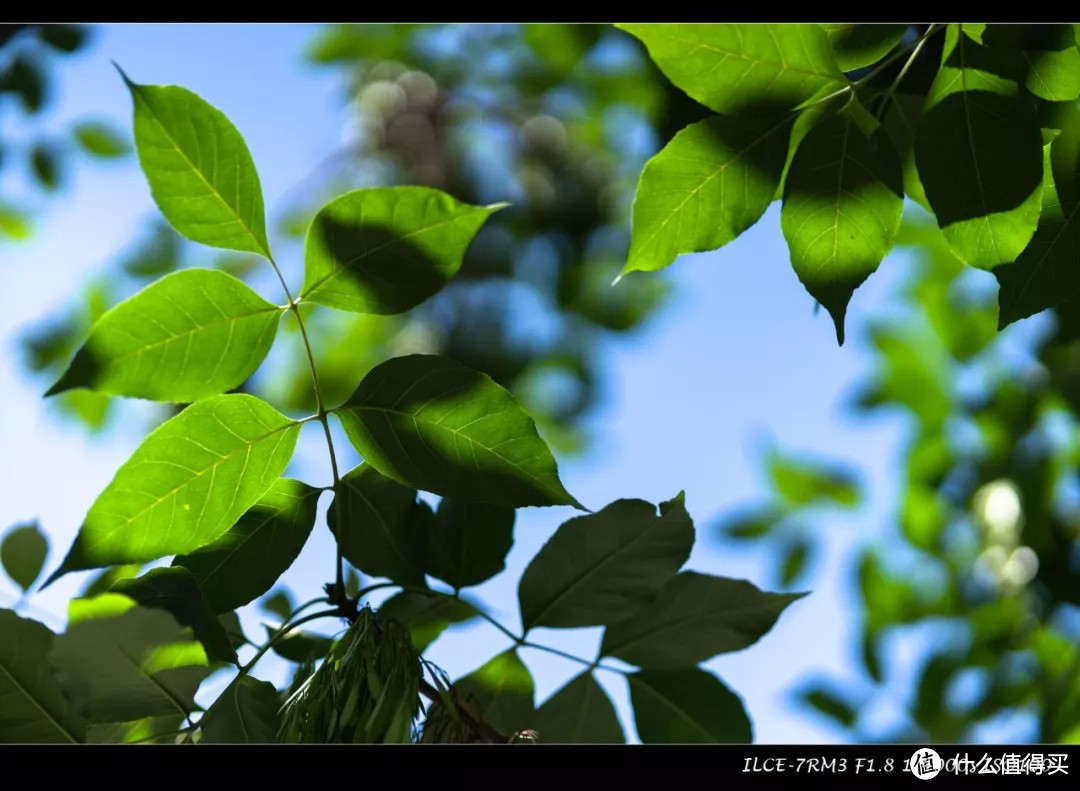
(387, 249)
(372, 518)
(120, 662)
(191, 334)
(431, 423)
(601, 568)
(855, 46)
(22, 554)
(246, 561)
(728, 67)
(687, 706)
(579, 713)
(246, 713)
(467, 543)
(979, 155)
(426, 615)
(693, 618)
(33, 710)
(200, 171)
(710, 183)
(176, 591)
(501, 692)
(800, 482)
(188, 482)
(843, 198)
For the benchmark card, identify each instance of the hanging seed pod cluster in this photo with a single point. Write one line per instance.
(367, 690)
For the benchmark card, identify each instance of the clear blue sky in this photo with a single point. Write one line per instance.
(738, 356)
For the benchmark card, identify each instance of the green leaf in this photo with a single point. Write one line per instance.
(728, 67)
(22, 554)
(278, 602)
(1050, 60)
(433, 424)
(248, 559)
(373, 519)
(601, 568)
(802, 483)
(148, 730)
(793, 559)
(191, 334)
(387, 249)
(501, 692)
(176, 591)
(843, 198)
(186, 484)
(102, 581)
(693, 618)
(687, 706)
(467, 543)
(710, 183)
(33, 709)
(856, 46)
(100, 139)
(45, 162)
(1044, 275)
(298, 645)
(426, 615)
(579, 713)
(200, 171)
(64, 38)
(827, 700)
(749, 523)
(979, 155)
(120, 662)
(246, 713)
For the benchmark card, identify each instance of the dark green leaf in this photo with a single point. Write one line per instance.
(433, 424)
(693, 618)
(247, 560)
(148, 730)
(687, 706)
(100, 139)
(230, 622)
(246, 713)
(710, 183)
(387, 249)
(101, 582)
(501, 692)
(793, 560)
(601, 568)
(856, 46)
(278, 602)
(373, 518)
(728, 67)
(200, 171)
(749, 524)
(22, 554)
(1050, 60)
(426, 616)
(979, 155)
(300, 646)
(191, 334)
(579, 713)
(186, 484)
(176, 591)
(1044, 275)
(467, 543)
(32, 707)
(24, 77)
(119, 662)
(827, 700)
(46, 164)
(65, 38)
(843, 198)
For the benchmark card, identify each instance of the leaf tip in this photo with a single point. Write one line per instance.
(123, 74)
(494, 207)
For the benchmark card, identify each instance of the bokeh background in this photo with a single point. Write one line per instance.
(920, 480)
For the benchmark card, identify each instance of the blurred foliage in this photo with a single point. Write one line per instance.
(984, 560)
(556, 119)
(28, 58)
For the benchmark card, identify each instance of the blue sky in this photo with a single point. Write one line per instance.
(736, 358)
